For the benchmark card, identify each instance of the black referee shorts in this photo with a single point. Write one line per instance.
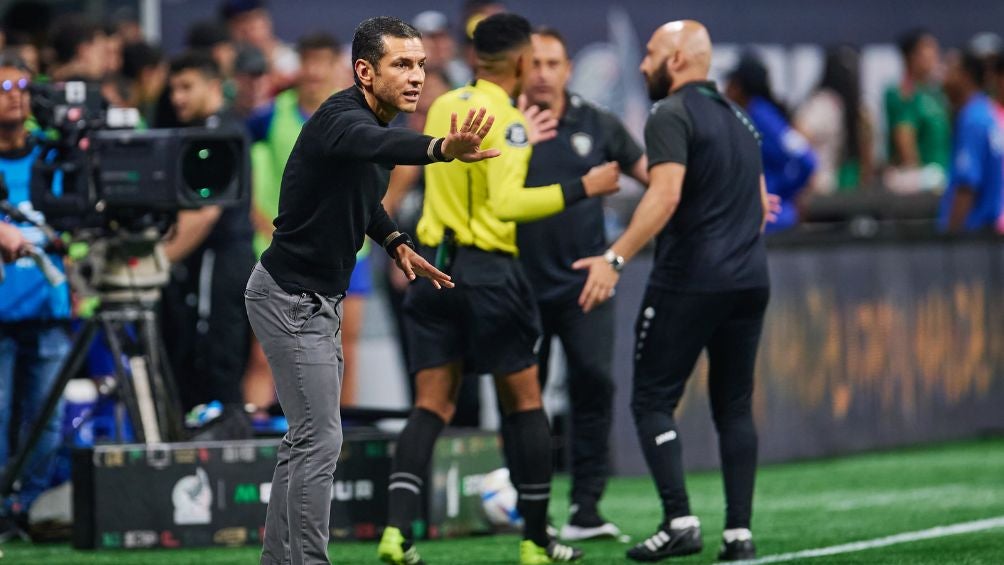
(489, 321)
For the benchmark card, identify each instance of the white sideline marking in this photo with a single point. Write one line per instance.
(936, 532)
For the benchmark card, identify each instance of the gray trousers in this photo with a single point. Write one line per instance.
(301, 337)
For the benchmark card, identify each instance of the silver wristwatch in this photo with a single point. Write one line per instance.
(615, 260)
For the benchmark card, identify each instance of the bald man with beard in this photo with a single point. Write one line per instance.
(706, 205)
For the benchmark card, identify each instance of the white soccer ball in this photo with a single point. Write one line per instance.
(498, 498)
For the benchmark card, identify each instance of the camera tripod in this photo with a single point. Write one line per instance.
(127, 273)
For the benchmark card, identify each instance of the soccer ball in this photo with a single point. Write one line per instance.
(498, 499)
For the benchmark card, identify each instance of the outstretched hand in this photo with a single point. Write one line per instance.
(414, 265)
(465, 143)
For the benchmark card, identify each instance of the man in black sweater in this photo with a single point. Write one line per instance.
(330, 199)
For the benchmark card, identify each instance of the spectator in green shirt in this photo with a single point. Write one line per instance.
(917, 115)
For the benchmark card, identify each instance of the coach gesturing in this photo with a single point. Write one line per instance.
(329, 201)
(706, 204)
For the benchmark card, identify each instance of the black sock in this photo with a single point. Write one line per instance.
(531, 450)
(509, 450)
(659, 442)
(410, 469)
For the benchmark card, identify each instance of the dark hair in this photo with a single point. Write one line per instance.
(139, 56)
(68, 34)
(232, 8)
(999, 66)
(545, 31)
(197, 60)
(206, 34)
(11, 58)
(972, 65)
(368, 40)
(501, 33)
(751, 76)
(317, 41)
(30, 16)
(909, 40)
(841, 75)
(17, 38)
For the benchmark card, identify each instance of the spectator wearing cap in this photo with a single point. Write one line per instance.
(253, 89)
(788, 159)
(972, 200)
(917, 115)
(441, 48)
(249, 22)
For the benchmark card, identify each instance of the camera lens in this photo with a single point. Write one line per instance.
(208, 167)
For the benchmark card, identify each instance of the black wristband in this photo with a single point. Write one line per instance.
(573, 191)
(392, 245)
(437, 150)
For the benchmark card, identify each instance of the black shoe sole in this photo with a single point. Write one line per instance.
(652, 558)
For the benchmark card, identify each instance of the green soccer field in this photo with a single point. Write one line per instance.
(802, 506)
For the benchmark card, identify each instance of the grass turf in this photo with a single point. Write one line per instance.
(798, 506)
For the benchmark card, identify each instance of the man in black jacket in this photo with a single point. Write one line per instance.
(330, 199)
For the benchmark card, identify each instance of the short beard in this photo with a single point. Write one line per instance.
(660, 83)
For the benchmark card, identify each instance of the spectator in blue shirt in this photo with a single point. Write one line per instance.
(33, 314)
(788, 159)
(972, 201)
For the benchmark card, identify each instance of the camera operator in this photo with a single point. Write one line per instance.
(34, 315)
(205, 325)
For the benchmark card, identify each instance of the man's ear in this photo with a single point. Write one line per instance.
(364, 72)
(520, 61)
(675, 61)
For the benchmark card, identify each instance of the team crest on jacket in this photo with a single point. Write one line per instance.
(516, 136)
(582, 143)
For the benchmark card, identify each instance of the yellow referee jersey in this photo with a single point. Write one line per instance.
(481, 202)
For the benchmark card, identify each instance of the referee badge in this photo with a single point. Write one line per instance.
(582, 143)
(515, 135)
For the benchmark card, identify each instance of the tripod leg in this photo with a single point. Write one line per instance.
(71, 367)
(162, 380)
(122, 378)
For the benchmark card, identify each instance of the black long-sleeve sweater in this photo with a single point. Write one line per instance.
(331, 193)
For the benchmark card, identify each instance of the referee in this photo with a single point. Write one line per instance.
(329, 201)
(708, 287)
(586, 136)
(489, 323)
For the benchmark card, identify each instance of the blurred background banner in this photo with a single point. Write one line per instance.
(866, 345)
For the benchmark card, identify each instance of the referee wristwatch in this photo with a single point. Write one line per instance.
(615, 260)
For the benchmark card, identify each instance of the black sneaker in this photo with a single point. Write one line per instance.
(737, 545)
(681, 537)
(586, 523)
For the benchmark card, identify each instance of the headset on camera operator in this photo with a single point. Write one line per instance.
(34, 313)
(205, 324)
